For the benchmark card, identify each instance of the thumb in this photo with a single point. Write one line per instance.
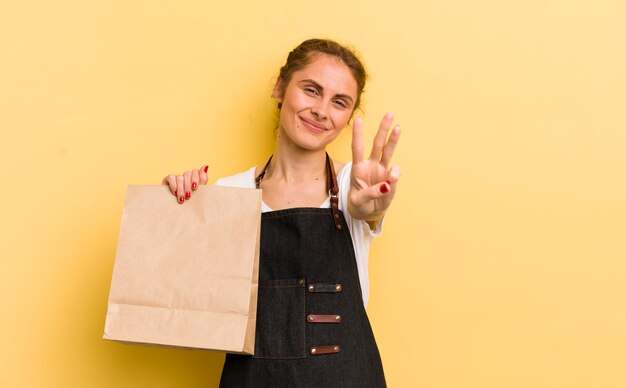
(204, 177)
(371, 193)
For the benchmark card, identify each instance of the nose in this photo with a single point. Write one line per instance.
(319, 110)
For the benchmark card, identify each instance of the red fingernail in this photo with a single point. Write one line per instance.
(194, 185)
(384, 188)
(206, 168)
(181, 199)
(389, 183)
(188, 195)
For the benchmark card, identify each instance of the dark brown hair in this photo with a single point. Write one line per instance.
(302, 55)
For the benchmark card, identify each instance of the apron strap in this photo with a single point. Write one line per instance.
(331, 186)
(259, 178)
(333, 190)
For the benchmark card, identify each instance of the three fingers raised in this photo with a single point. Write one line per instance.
(384, 144)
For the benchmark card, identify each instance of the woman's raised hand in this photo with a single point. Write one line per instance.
(373, 183)
(183, 185)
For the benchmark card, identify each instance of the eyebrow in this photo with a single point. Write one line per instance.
(321, 88)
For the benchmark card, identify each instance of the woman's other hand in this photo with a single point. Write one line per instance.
(183, 185)
(373, 183)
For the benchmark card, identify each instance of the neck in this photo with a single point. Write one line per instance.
(297, 165)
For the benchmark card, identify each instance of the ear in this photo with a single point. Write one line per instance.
(277, 93)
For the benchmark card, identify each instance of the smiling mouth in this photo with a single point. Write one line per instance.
(313, 127)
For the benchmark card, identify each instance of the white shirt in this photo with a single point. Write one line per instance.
(362, 235)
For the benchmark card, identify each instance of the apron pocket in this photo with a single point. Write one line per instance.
(281, 320)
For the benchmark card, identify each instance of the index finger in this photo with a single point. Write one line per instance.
(357, 141)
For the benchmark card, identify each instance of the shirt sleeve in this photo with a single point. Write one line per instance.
(244, 180)
(362, 235)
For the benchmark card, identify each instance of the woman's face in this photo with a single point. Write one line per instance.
(316, 103)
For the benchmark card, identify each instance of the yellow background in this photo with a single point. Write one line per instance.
(503, 260)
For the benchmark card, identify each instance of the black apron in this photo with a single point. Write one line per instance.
(312, 329)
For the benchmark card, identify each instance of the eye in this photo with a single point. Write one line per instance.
(311, 90)
(341, 103)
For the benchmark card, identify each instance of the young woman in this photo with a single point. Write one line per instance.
(317, 225)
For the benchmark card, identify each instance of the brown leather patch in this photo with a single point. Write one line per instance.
(319, 318)
(324, 287)
(324, 349)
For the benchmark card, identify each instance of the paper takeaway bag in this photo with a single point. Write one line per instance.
(187, 275)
